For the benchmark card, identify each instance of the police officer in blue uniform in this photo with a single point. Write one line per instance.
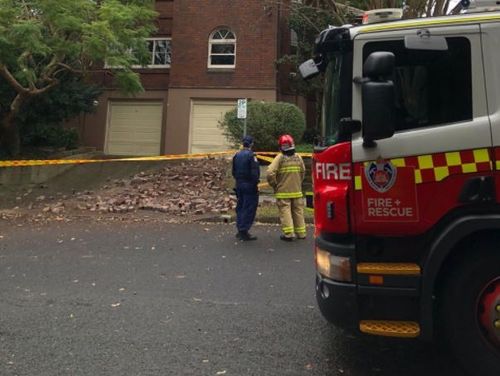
(246, 172)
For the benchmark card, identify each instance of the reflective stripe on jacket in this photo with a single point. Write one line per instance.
(285, 175)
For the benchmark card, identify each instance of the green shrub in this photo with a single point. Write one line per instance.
(266, 121)
(51, 136)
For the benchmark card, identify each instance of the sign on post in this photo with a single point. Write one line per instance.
(242, 109)
(242, 113)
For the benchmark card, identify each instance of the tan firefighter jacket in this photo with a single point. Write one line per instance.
(285, 175)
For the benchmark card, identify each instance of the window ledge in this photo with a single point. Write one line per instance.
(150, 67)
(220, 70)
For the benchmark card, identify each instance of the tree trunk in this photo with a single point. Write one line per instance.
(10, 140)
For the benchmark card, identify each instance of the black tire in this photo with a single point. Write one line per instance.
(458, 324)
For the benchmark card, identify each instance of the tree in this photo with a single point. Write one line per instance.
(43, 40)
(307, 19)
(43, 114)
(70, 98)
(428, 8)
(40, 118)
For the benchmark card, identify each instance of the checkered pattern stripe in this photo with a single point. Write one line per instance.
(436, 167)
(497, 158)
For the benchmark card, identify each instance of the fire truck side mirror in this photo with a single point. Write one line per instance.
(378, 97)
(309, 69)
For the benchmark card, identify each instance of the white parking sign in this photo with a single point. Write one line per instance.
(242, 109)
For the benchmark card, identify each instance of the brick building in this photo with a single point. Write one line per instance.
(205, 55)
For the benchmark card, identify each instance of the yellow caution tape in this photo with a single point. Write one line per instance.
(49, 162)
(264, 158)
(274, 153)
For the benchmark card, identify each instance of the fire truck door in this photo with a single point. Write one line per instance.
(442, 127)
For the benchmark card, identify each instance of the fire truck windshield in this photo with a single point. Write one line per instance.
(336, 96)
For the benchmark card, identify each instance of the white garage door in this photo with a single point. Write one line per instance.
(206, 136)
(134, 128)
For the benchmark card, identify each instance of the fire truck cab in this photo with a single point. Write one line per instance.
(407, 182)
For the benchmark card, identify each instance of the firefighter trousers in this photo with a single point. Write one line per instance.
(292, 217)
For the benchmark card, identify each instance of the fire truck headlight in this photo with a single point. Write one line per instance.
(335, 267)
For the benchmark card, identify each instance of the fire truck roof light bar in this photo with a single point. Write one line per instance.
(382, 15)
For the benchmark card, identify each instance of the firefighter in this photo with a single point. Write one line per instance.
(285, 175)
(246, 172)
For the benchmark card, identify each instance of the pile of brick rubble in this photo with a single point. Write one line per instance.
(192, 187)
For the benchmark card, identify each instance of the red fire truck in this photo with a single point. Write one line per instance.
(407, 182)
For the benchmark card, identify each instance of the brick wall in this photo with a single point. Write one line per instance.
(260, 27)
(255, 26)
(151, 78)
(165, 8)
(159, 79)
(284, 70)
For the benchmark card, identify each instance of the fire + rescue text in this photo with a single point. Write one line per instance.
(387, 207)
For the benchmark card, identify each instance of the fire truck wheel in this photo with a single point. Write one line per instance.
(470, 310)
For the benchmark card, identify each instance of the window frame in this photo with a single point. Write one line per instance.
(156, 66)
(212, 41)
(468, 83)
(433, 139)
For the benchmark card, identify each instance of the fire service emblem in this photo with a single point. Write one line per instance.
(381, 175)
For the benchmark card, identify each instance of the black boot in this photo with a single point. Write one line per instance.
(246, 236)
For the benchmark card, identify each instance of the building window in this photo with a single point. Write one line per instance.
(432, 87)
(161, 52)
(222, 49)
(160, 55)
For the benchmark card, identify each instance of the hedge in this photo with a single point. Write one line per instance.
(266, 121)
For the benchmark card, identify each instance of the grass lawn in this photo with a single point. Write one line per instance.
(265, 213)
(269, 214)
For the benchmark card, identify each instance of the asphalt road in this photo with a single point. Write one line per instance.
(161, 299)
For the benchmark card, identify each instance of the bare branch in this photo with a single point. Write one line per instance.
(69, 68)
(446, 6)
(52, 83)
(5, 73)
(51, 68)
(66, 67)
(16, 103)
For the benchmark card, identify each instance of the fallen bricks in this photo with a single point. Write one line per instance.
(190, 187)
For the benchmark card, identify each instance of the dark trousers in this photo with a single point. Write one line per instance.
(246, 207)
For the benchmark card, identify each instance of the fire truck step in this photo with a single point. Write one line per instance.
(403, 329)
(389, 268)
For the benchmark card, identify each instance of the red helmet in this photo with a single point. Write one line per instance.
(286, 142)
